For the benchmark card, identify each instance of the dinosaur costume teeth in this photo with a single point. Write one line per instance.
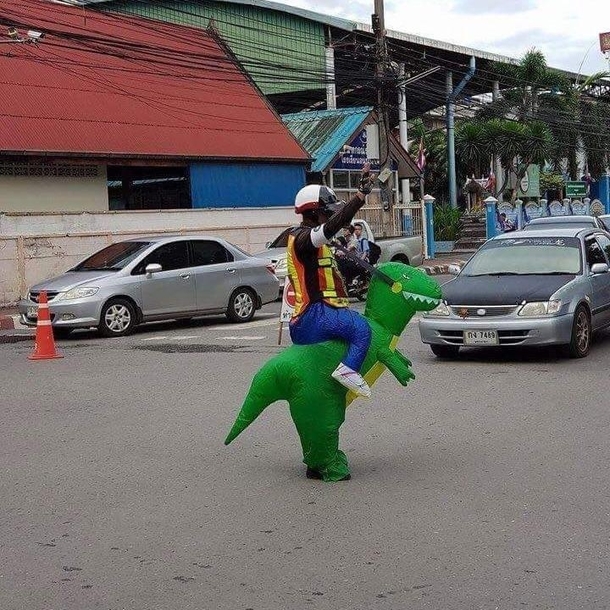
(301, 374)
(418, 298)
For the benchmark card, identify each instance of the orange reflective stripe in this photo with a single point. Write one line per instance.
(296, 273)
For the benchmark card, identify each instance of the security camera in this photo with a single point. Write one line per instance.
(34, 35)
(13, 33)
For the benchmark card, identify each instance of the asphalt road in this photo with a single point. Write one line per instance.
(484, 484)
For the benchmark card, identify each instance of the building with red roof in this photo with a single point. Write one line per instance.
(106, 111)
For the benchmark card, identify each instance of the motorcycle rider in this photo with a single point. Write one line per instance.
(321, 308)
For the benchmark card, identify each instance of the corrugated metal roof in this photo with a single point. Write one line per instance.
(323, 132)
(108, 85)
(350, 25)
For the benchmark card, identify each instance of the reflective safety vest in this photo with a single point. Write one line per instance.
(314, 276)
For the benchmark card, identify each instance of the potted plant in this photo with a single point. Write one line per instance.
(447, 224)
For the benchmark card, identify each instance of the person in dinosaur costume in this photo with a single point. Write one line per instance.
(321, 310)
(301, 374)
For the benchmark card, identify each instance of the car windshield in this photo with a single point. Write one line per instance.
(281, 241)
(114, 257)
(527, 256)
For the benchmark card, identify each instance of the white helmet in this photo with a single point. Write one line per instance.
(316, 197)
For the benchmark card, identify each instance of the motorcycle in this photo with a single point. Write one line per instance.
(359, 286)
(356, 277)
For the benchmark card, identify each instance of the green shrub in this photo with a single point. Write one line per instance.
(447, 223)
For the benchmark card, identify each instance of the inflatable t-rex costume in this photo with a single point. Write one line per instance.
(301, 374)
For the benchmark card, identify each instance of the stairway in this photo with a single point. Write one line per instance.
(473, 234)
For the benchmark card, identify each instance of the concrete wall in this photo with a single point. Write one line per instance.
(42, 193)
(35, 246)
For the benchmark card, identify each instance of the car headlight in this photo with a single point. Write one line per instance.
(282, 263)
(440, 310)
(78, 293)
(540, 308)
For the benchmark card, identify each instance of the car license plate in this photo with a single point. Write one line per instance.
(481, 337)
(32, 312)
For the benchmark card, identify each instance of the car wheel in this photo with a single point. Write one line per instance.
(61, 333)
(580, 344)
(445, 351)
(242, 305)
(118, 318)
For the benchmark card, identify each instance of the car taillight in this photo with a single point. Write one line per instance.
(271, 269)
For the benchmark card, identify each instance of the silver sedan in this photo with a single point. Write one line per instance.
(526, 288)
(155, 278)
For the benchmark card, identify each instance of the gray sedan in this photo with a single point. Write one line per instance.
(546, 287)
(155, 278)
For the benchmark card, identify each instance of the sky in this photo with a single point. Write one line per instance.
(566, 31)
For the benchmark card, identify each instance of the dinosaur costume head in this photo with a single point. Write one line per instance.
(393, 306)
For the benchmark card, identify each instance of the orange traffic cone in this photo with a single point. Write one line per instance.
(45, 344)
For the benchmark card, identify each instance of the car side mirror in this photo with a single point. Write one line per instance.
(152, 268)
(599, 268)
(267, 244)
(454, 269)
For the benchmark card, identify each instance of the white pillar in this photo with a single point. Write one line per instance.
(402, 126)
(331, 90)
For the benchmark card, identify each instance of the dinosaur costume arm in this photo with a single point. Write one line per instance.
(397, 364)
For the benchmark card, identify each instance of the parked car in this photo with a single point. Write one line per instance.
(546, 287)
(155, 278)
(407, 250)
(554, 222)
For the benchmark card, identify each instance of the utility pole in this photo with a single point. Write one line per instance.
(496, 164)
(451, 96)
(383, 118)
(402, 127)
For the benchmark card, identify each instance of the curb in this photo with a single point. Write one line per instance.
(11, 322)
(441, 269)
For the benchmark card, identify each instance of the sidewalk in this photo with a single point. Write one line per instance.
(9, 319)
(440, 264)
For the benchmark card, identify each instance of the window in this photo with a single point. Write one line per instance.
(113, 257)
(345, 184)
(209, 253)
(604, 243)
(169, 256)
(281, 241)
(340, 179)
(527, 256)
(594, 253)
(148, 188)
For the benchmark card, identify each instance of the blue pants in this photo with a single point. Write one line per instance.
(321, 322)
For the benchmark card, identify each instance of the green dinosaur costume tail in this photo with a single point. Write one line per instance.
(266, 388)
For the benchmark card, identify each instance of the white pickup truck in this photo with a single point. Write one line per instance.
(406, 250)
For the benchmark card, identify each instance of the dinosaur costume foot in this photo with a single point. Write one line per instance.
(314, 474)
(337, 470)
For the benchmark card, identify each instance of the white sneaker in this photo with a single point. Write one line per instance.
(352, 380)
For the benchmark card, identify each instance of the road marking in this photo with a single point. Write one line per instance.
(184, 337)
(155, 338)
(256, 324)
(235, 338)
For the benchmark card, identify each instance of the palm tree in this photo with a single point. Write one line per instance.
(517, 145)
(577, 119)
